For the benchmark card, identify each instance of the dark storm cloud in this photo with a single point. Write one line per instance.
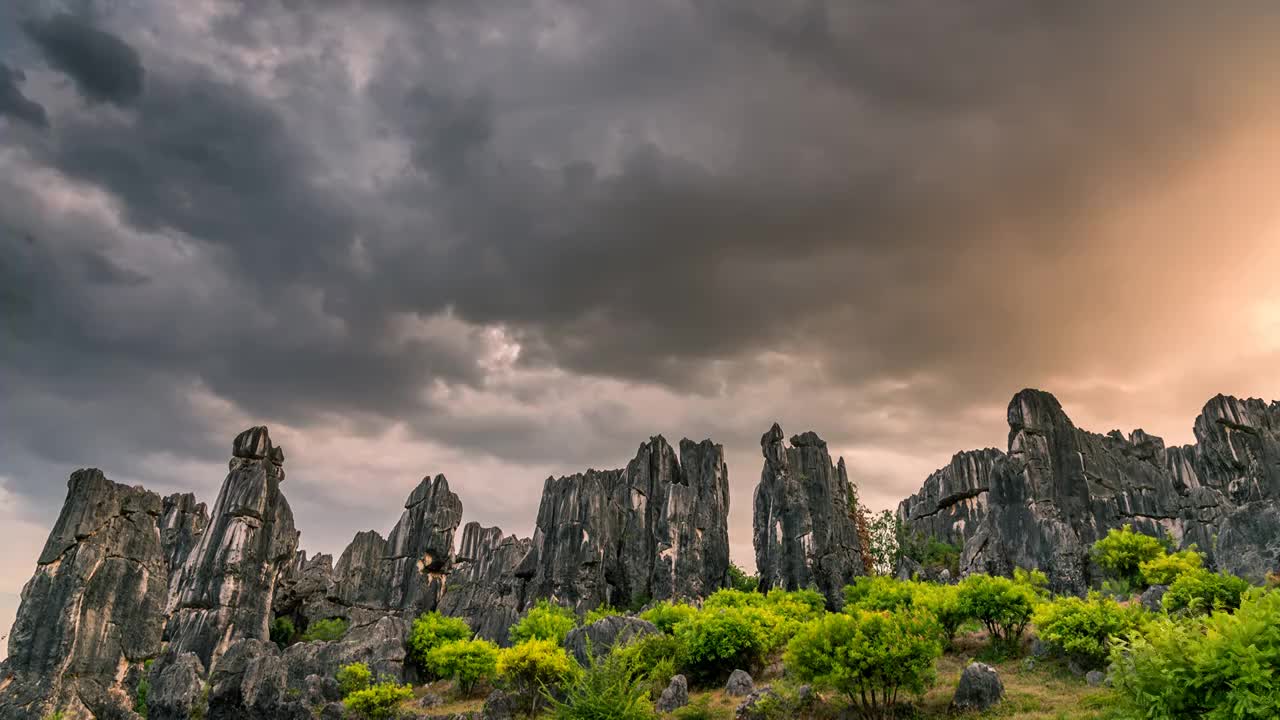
(16, 105)
(103, 67)
(875, 219)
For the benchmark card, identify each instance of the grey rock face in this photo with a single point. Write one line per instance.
(499, 706)
(740, 684)
(483, 588)
(674, 697)
(604, 633)
(94, 609)
(1153, 597)
(224, 590)
(301, 591)
(250, 683)
(980, 688)
(953, 500)
(805, 533)
(177, 687)
(375, 640)
(181, 525)
(1095, 678)
(654, 530)
(1060, 489)
(752, 708)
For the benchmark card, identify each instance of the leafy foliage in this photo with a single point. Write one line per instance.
(466, 662)
(1002, 605)
(430, 631)
(701, 709)
(730, 598)
(797, 605)
(325, 630)
(1085, 629)
(353, 678)
(870, 657)
(1200, 591)
(882, 546)
(1122, 552)
(740, 580)
(282, 632)
(141, 695)
(927, 550)
(601, 613)
(546, 621)
(1165, 569)
(1217, 667)
(878, 593)
(666, 615)
(607, 689)
(535, 665)
(378, 702)
(943, 601)
(656, 657)
(721, 639)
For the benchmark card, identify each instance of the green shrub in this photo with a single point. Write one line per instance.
(656, 658)
(282, 632)
(546, 621)
(878, 592)
(1200, 591)
(601, 613)
(1085, 629)
(701, 709)
(740, 580)
(730, 598)
(534, 666)
(943, 601)
(1034, 579)
(1000, 604)
(722, 639)
(1122, 552)
(666, 615)
(378, 702)
(353, 678)
(607, 689)
(870, 657)
(798, 605)
(1217, 667)
(1164, 570)
(430, 631)
(140, 696)
(325, 630)
(466, 662)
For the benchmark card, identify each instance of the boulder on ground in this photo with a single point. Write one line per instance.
(980, 688)
(601, 635)
(740, 684)
(675, 696)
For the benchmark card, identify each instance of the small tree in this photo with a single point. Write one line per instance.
(1085, 629)
(666, 615)
(353, 678)
(546, 621)
(466, 662)
(430, 631)
(378, 702)
(740, 580)
(722, 639)
(1122, 552)
(870, 657)
(1164, 570)
(1002, 605)
(282, 632)
(1201, 591)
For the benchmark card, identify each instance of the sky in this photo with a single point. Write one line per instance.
(513, 239)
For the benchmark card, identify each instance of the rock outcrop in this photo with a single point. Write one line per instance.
(94, 610)
(483, 588)
(953, 501)
(598, 638)
(652, 531)
(224, 590)
(1059, 489)
(181, 525)
(805, 532)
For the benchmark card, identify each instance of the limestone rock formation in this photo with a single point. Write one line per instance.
(250, 683)
(93, 611)
(223, 592)
(654, 530)
(177, 687)
(377, 641)
(1059, 489)
(600, 636)
(804, 525)
(979, 688)
(181, 525)
(483, 588)
(953, 501)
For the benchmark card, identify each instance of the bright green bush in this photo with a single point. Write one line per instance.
(609, 688)
(798, 605)
(1085, 629)
(1000, 604)
(430, 631)
(656, 658)
(1165, 569)
(1122, 552)
(740, 580)
(379, 702)
(878, 592)
(722, 639)
(870, 657)
(546, 621)
(353, 678)
(666, 615)
(533, 666)
(943, 601)
(1219, 667)
(325, 630)
(1200, 591)
(282, 632)
(730, 598)
(601, 613)
(466, 662)
(702, 709)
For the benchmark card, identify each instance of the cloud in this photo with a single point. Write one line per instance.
(16, 105)
(104, 68)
